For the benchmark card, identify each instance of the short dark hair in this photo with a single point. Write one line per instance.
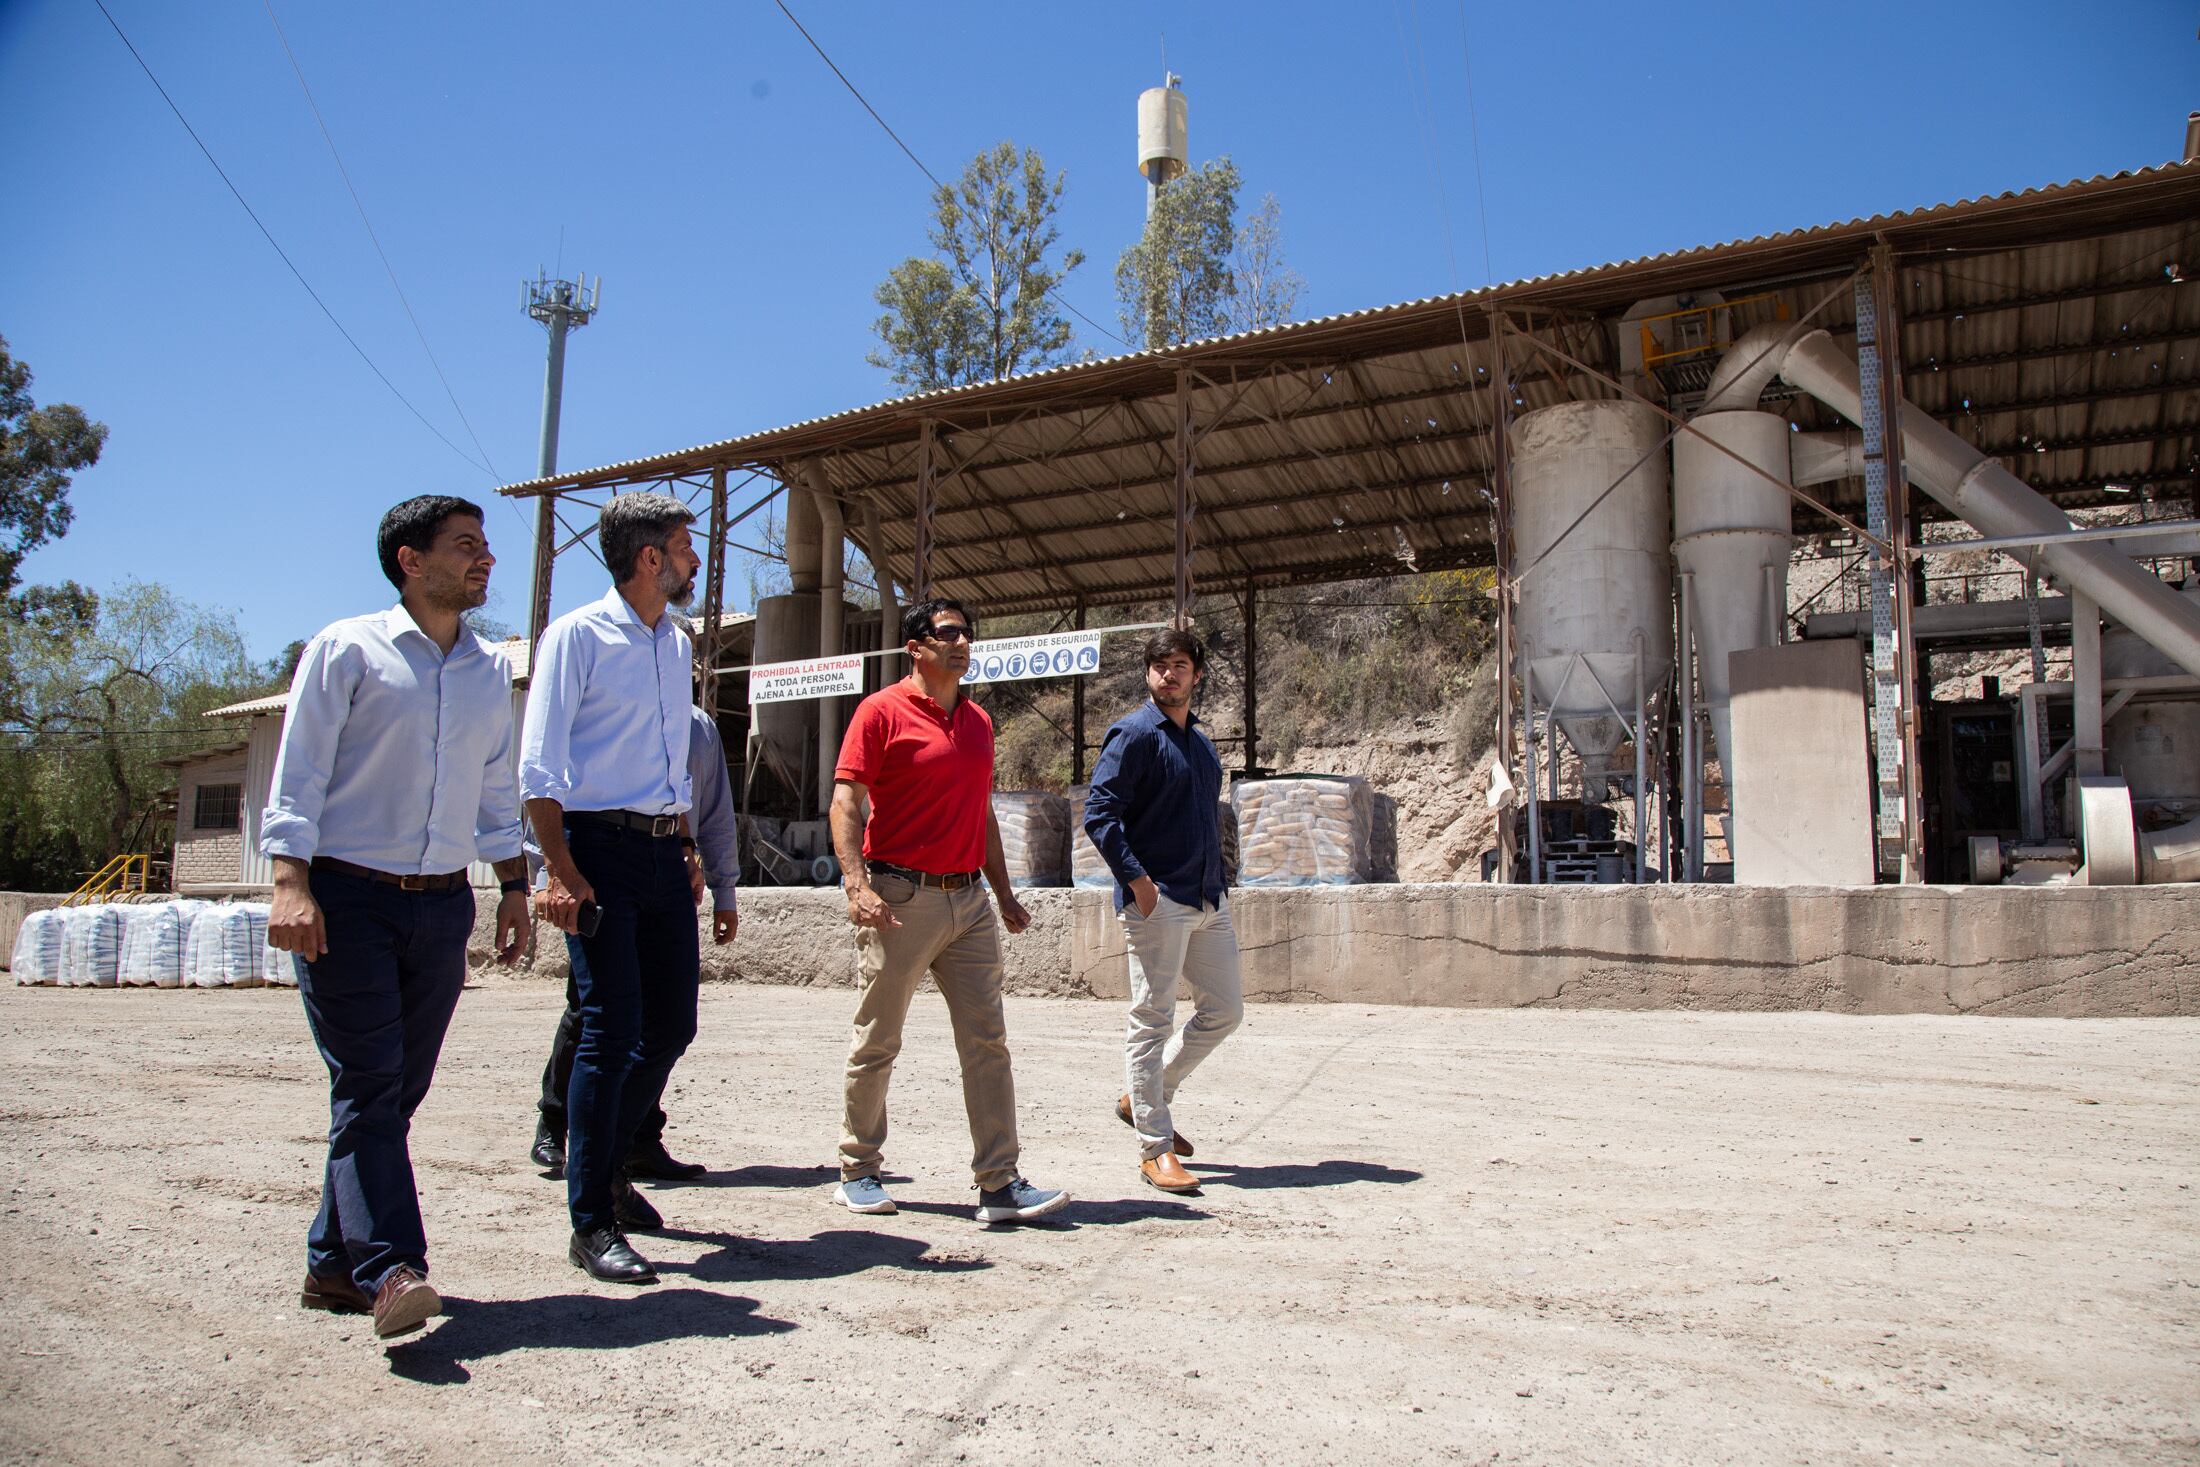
(413, 525)
(916, 621)
(1162, 645)
(632, 523)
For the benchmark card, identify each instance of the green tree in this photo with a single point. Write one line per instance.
(86, 718)
(1267, 288)
(40, 450)
(981, 306)
(1175, 284)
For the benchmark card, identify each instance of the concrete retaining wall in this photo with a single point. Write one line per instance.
(1874, 950)
(2057, 952)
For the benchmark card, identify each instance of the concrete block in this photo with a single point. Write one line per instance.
(1802, 777)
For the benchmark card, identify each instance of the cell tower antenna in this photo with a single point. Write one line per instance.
(562, 306)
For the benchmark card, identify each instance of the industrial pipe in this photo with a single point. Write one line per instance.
(1997, 502)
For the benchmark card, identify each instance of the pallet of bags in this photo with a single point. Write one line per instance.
(91, 946)
(153, 939)
(1085, 866)
(1305, 830)
(37, 955)
(1034, 836)
(225, 946)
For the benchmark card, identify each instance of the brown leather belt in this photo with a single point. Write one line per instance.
(660, 827)
(952, 881)
(443, 881)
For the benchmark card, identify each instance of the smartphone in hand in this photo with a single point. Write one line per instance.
(588, 919)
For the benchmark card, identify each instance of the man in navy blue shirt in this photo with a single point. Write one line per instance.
(1153, 814)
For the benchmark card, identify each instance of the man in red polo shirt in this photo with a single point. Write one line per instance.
(923, 756)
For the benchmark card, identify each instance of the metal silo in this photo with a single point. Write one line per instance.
(1595, 619)
(1164, 136)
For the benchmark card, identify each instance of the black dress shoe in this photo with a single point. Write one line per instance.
(633, 1209)
(548, 1152)
(650, 1159)
(605, 1254)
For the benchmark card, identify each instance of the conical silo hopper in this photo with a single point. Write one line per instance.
(1596, 600)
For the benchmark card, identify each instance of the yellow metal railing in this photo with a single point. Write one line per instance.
(124, 875)
(1656, 353)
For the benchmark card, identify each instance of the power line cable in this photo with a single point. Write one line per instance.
(280, 252)
(1474, 132)
(372, 238)
(1059, 298)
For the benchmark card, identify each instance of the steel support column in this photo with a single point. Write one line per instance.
(1502, 546)
(920, 570)
(714, 593)
(1182, 506)
(1894, 715)
(1077, 714)
(1252, 679)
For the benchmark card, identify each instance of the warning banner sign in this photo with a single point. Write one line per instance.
(814, 677)
(1014, 659)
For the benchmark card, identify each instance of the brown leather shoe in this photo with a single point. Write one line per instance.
(1167, 1173)
(1177, 1143)
(403, 1303)
(335, 1295)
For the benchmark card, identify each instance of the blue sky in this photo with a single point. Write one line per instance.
(741, 206)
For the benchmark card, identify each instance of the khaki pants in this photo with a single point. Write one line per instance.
(1194, 945)
(953, 935)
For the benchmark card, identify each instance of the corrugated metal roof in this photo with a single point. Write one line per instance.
(2046, 325)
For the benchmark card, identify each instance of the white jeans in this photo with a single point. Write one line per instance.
(1198, 946)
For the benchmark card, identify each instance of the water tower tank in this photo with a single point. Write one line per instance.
(1607, 586)
(1164, 133)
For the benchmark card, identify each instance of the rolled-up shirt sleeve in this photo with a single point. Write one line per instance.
(546, 739)
(497, 833)
(1124, 758)
(320, 699)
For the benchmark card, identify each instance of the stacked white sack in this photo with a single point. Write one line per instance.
(1034, 836)
(91, 946)
(1315, 830)
(153, 939)
(37, 955)
(1088, 869)
(224, 948)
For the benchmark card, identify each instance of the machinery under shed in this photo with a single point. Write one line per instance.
(1966, 428)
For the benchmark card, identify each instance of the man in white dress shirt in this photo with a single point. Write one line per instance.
(604, 771)
(395, 773)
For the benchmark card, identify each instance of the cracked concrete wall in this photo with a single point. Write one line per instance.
(2065, 952)
(2054, 952)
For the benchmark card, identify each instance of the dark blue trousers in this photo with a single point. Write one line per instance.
(636, 981)
(379, 1002)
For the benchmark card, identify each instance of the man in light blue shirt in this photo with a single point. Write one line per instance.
(604, 771)
(394, 774)
(717, 842)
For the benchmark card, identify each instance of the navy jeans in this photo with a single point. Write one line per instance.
(379, 1002)
(557, 1072)
(636, 982)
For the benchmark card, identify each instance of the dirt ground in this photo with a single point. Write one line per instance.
(1426, 1235)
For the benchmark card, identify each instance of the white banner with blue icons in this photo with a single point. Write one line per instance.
(1015, 659)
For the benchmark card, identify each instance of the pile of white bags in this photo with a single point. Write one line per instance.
(91, 946)
(227, 947)
(37, 955)
(153, 938)
(1307, 830)
(1034, 836)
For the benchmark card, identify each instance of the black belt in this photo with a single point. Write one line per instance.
(442, 881)
(659, 827)
(952, 881)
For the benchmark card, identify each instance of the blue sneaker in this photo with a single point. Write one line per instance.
(864, 1194)
(1019, 1201)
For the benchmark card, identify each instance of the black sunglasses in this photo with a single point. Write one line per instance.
(948, 633)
